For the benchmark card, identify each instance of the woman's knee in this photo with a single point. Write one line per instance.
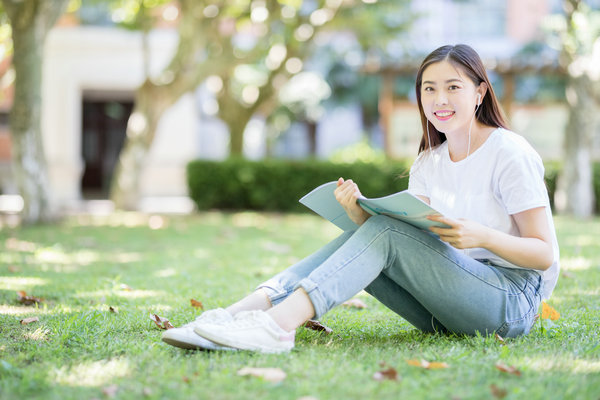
(375, 223)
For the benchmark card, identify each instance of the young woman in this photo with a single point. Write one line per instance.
(486, 270)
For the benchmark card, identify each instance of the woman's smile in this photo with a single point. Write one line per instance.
(443, 115)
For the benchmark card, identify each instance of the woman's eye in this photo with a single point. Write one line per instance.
(428, 89)
(453, 87)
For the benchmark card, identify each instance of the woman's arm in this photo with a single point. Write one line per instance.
(533, 249)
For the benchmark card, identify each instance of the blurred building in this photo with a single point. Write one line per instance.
(91, 73)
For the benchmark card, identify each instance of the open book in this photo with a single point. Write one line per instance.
(402, 205)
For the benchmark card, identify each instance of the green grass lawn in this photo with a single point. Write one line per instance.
(80, 349)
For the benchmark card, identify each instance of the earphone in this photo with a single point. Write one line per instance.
(478, 98)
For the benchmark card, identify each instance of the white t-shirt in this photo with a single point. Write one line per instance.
(502, 177)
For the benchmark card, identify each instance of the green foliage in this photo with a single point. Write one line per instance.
(278, 184)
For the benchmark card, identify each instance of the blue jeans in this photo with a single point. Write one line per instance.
(432, 285)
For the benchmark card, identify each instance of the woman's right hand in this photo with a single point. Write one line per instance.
(347, 194)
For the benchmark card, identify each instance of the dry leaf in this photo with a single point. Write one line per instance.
(317, 326)
(28, 300)
(427, 364)
(147, 392)
(389, 373)
(196, 304)
(26, 321)
(355, 303)
(110, 391)
(500, 339)
(566, 274)
(497, 392)
(508, 369)
(268, 374)
(548, 312)
(123, 286)
(162, 323)
(13, 269)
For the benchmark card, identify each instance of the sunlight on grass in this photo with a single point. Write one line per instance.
(20, 282)
(56, 255)
(202, 253)
(165, 273)
(19, 245)
(39, 334)
(92, 373)
(21, 310)
(127, 294)
(248, 219)
(563, 364)
(575, 263)
(580, 240)
(582, 292)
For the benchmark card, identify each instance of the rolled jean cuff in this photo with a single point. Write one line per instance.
(274, 292)
(314, 294)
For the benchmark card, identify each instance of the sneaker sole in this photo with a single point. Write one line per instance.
(214, 337)
(184, 343)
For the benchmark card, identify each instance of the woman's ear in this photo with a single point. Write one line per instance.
(481, 91)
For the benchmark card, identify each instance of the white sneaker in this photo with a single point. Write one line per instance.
(185, 338)
(249, 330)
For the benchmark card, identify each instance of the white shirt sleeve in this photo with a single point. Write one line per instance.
(521, 183)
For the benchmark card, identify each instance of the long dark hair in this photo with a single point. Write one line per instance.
(489, 112)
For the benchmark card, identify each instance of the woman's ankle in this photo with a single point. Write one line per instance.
(257, 300)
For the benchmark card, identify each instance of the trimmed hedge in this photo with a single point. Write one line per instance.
(276, 185)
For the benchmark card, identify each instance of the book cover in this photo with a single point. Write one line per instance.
(402, 205)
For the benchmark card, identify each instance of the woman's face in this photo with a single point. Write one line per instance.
(448, 97)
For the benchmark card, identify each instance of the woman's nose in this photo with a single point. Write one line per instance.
(441, 98)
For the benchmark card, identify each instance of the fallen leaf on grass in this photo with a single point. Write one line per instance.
(427, 364)
(497, 392)
(549, 312)
(317, 326)
(162, 323)
(355, 303)
(500, 339)
(268, 374)
(12, 269)
(508, 369)
(26, 321)
(110, 391)
(388, 373)
(196, 304)
(126, 287)
(28, 300)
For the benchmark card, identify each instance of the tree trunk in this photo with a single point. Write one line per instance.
(30, 22)
(575, 194)
(575, 187)
(236, 117)
(151, 102)
(183, 74)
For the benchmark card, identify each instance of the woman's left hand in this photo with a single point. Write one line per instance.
(461, 233)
